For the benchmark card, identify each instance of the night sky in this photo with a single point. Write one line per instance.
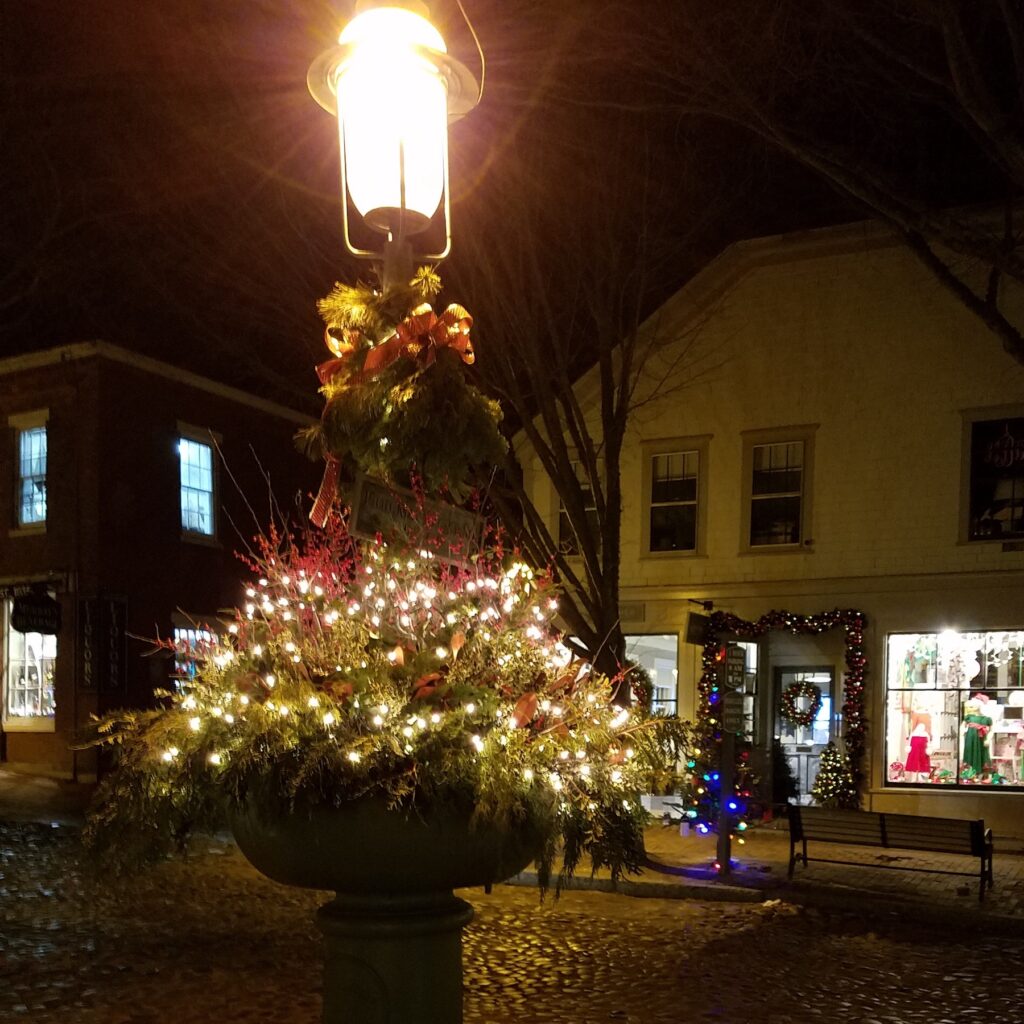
(169, 185)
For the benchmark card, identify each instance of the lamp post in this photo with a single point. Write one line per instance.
(394, 89)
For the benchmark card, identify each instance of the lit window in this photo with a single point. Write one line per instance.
(190, 647)
(658, 656)
(567, 541)
(674, 501)
(955, 708)
(776, 493)
(28, 671)
(196, 486)
(32, 476)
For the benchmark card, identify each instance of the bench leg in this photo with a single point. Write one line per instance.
(986, 877)
(805, 853)
(792, 858)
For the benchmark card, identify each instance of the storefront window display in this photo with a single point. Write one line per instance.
(955, 708)
(29, 660)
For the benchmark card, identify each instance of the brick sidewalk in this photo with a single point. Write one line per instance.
(761, 864)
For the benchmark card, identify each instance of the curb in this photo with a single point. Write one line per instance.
(693, 889)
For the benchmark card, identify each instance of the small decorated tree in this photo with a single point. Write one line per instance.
(834, 786)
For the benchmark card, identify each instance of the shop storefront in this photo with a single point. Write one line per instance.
(34, 671)
(954, 709)
(29, 661)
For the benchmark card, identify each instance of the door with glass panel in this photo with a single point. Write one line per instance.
(802, 745)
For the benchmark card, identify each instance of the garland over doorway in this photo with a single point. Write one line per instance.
(707, 754)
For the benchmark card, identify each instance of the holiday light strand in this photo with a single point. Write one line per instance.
(704, 763)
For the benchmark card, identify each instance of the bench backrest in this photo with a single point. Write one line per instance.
(944, 835)
(870, 828)
(863, 828)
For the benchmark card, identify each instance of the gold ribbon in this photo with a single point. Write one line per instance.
(419, 337)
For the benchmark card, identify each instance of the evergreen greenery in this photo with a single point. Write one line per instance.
(372, 670)
(411, 406)
(784, 787)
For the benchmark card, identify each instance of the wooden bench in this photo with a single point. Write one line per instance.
(899, 831)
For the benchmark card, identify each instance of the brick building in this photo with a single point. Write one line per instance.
(128, 485)
(854, 440)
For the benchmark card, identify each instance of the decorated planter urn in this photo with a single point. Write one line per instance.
(388, 726)
(393, 932)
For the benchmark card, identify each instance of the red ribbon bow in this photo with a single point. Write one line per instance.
(419, 336)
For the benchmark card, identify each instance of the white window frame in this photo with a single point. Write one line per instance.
(212, 440)
(672, 446)
(779, 435)
(21, 723)
(18, 424)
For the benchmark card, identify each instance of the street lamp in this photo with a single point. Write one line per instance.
(394, 89)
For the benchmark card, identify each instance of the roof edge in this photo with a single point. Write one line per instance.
(116, 354)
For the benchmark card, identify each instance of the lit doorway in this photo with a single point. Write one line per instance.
(802, 745)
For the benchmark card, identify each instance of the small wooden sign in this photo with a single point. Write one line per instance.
(102, 645)
(389, 510)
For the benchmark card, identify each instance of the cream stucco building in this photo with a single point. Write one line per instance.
(855, 439)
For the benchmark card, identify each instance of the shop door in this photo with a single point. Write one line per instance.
(802, 744)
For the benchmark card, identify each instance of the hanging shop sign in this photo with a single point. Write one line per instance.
(379, 508)
(35, 612)
(102, 650)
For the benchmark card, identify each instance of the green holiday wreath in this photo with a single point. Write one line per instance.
(794, 692)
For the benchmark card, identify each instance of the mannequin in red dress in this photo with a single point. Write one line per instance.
(918, 764)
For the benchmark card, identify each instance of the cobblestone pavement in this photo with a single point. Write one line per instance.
(208, 940)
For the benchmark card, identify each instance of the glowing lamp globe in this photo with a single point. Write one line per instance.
(394, 89)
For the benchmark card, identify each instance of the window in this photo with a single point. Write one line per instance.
(28, 674)
(741, 678)
(996, 479)
(955, 708)
(191, 644)
(30, 464)
(196, 460)
(777, 470)
(566, 535)
(658, 656)
(776, 493)
(673, 493)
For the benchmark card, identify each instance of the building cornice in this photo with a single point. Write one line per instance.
(114, 353)
(833, 585)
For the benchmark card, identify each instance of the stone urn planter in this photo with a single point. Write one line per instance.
(393, 932)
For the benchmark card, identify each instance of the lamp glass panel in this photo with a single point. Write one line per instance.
(393, 117)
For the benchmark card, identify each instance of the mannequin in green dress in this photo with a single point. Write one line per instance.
(976, 753)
